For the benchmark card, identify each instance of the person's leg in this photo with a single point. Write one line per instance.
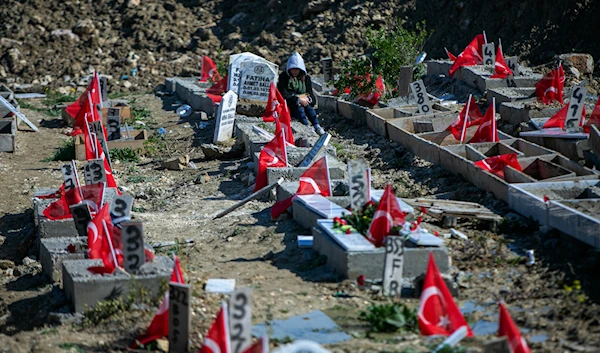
(298, 113)
(312, 116)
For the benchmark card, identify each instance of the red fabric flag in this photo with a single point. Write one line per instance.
(558, 119)
(59, 209)
(509, 329)
(495, 164)
(315, 180)
(594, 118)
(209, 70)
(260, 346)
(488, 130)
(53, 195)
(218, 88)
(217, 338)
(275, 104)
(387, 216)
(472, 55)
(159, 327)
(110, 179)
(500, 67)
(550, 87)
(93, 90)
(438, 313)
(285, 123)
(451, 56)
(100, 243)
(471, 114)
(272, 155)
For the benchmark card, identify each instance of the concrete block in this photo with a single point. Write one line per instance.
(594, 139)
(337, 170)
(540, 169)
(8, 130)
(370, 261)
(523, 111)
(567, 216)
(479, 76)
(53, 251)
(86, 289)
(572, 148)
(352, 111)
(327, 103)
(438, 67)
(377, 119)
(308, 209)
(511, 94)
(170, 84)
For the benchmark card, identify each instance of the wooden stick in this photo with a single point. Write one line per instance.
(249, 198)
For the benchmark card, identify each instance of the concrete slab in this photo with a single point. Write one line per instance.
(53, 251)
(86, 289)
(308, 209)
(568, 216)
(572, 148)
(377, 119)
(438, 67)
(8, 131)
(509, 94)
(352, 111)
(337, 170)
(523, 111)
(327, 103)
(479, 76)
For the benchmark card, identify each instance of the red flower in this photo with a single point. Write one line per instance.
(370, 203)
(546, 198)
(361, 280)
(348, 231)
(436, 233)
(413, 226)
(71, 248)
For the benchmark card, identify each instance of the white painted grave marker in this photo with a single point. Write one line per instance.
(179, 317)
(513, 65)
(225, 117)
(236, 63)
(240, 319)
(489, 54)
(394, 263)
(94, 172)
(132, 234)
(69, 176)
(360, 188)
(315, 150)
(120, 209)
(255, 81)
(113, 122)
(576, 103)
(421, 97)
(81, 217)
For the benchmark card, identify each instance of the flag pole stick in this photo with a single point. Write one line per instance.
(76, 178)
(112, 249)
(494, 123)
(464, 130)
(485, 38)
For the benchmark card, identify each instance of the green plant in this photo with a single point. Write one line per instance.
(395, 48)
(71, 346)
(361, 219)
(126, 154)
(352, 75)
(104, 310)
(54, 97)
(66, 152)
(391, 317)
(138, 209)
(155, 145)
(140, 114)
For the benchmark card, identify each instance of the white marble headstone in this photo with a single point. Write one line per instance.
(255, 80)
(225, 117)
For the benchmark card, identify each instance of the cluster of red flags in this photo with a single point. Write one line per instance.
(92, 195)
(315, 180)
(372, 97)
(439, 314)
(92, 96)
(550, 87)
(469, 116)
(278, 111)
(387, 215)
(471, 55)
(272, 155)
(496, 164)
(488, 128)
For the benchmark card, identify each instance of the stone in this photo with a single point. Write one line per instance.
(202, 179)
(6, 264)
(177, 163)
(255, 80)
(235, 68)
(84, 28)
(582, 62)
(575, 72)
(212, 151)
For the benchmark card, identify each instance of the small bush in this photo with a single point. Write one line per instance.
(126, 154)
(140, 114)
(390, 317)
(352, 75)
(66, 152)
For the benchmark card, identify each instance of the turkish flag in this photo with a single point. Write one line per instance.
(594, 118)
(509, 329)
(260, 346)
(159, 327)
(110, 179)
(92, 95)
(274, 104)
(472, 55)
(469, 114)
(387, 216)
(438, 313)
(451, 56)
(488, 130)
(558, 119)
(550, 87)
(209, 70)
(285, 122)
(315, 180)
(495, 164)
(59, 209)
(217, 338)
(100, 243)
(500, 67)
(272, 155)
(216, 91)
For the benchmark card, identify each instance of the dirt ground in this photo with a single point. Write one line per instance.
(246, 245)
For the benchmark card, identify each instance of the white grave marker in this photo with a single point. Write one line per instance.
(421, 97)
(236, 67)
(240, 319)
(576, 103)
(69, 176)
(94, 172)
(360, 188)
(489, 54)
(225, 117)
(255, 81)
(315, 150)
(179, 317)
(513, 65)
(81, 217)
(394, 263)
(113, 122)
(120, 209)
(132, 234)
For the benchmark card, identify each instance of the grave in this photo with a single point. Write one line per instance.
(86, 289)
(134, 139)
(523, 111)
(225, 117)
(255, 80)
(236, 67)
(479, 76)
(53, 251)
(510, 94)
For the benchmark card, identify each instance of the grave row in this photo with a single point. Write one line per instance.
(425, 136)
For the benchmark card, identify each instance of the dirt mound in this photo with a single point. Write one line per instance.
(53, 44)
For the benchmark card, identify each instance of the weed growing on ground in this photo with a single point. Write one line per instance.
(71, 346)
(155, 145)
(107, 309)
(140, 114)
(66, 152)
(54, 97)
(126, 154)
(390, 317)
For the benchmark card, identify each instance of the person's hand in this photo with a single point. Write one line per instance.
(303, 101)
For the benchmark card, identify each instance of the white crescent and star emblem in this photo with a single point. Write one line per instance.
(428, 293)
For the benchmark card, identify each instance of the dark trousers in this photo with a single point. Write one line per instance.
(302, 113)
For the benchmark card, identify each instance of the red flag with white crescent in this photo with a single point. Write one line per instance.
(217, 339)
(488, 129)
(501, 69)
(387, 216)
(272, 155)
(550, 87)
(508, 328)
(438, 313)
(472, 55)
(495, 164)
(469, 115)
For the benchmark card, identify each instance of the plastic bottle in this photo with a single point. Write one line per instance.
(184, 111)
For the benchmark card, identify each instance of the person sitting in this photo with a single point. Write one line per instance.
(295, 86)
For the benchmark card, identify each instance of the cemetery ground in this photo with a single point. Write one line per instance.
(554, 302)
